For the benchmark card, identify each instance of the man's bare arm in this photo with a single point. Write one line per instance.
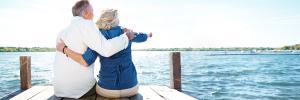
(77, 57)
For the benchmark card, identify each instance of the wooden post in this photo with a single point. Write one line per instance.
(175, 71)
(25, 72)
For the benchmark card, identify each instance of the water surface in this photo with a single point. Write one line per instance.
(260, 77)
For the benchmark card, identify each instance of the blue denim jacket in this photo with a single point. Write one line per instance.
(118, 71)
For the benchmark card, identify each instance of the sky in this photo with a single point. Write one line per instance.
(174, 23)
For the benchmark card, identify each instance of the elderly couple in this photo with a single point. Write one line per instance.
(78, 46)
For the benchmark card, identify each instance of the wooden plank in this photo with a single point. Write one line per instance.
(175, 71)
(53, 97)
(147, 93)
(29, 93)
(171, 94)
(49, 95)
(92, 97)
(45, 94)
(144, 93)
(98, 97)
(137, 97)
(25, 72)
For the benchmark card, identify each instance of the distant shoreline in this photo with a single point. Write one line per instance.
(47, 49)
(205, 49)
(26, 49)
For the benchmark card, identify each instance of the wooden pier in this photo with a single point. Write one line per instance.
(148, 92)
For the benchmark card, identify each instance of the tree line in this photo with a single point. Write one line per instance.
(26, 49)
(291, 47)
(207, 49)
(46, 49)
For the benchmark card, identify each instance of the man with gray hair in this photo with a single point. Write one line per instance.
(71, 79)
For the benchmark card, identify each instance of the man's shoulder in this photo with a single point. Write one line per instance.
(60, 35)
(82, 21)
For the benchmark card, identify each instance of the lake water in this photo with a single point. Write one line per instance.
(261, 77)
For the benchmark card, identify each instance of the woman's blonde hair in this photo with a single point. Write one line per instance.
(108, 19)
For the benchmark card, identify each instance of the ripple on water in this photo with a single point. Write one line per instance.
(255, 77)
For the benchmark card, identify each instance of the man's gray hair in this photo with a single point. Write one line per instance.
(80, 7)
